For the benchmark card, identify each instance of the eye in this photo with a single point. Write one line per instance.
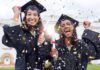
(68, 23)
(62, 25)
(35, 14)
(28, 14)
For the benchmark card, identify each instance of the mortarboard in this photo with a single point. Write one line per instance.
(33, 3)
(66, 17)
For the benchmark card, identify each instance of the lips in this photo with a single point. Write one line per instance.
(31, 21)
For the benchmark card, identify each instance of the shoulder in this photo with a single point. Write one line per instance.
(11, 30)
(7, 27)
(11, 27)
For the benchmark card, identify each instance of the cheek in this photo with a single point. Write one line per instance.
(62, 28)
(37, 18)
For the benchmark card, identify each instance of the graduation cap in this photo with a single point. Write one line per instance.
(66, 17)
(35, 4)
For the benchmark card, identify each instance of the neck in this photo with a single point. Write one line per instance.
(68, 41)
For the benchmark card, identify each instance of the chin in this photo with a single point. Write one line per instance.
(68, 36)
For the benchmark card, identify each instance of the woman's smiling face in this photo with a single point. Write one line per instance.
(66, 28)
(32, 17)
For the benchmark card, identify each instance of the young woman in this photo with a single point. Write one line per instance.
(71, 53)
(29, 39)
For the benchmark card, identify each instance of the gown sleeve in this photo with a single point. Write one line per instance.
(10, 35)
(92, 38)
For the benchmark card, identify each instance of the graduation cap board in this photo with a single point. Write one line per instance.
(66, 17)
(34, 4)
(93, 37)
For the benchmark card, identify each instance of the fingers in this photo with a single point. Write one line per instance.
(41, 39)
(16, 9)
(54, 53)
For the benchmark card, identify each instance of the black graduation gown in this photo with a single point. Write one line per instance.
(92, 37)
(29, 54)
(75, 59)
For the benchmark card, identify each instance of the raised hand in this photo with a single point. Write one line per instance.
(17, 11)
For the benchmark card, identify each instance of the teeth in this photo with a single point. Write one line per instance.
(66, 30)
(30, 20)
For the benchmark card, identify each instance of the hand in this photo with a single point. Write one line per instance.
(16, 10)
(54, 53)
(41, 39)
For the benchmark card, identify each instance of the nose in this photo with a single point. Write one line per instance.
(67, 26)
(32, 17)
(66, 29)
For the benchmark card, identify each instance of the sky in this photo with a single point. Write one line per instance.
(82, 9)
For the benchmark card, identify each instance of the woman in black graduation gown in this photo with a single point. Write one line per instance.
(29, 39)
(71, 53)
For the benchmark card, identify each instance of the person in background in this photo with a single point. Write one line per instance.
(71, 53)
(28, 39)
